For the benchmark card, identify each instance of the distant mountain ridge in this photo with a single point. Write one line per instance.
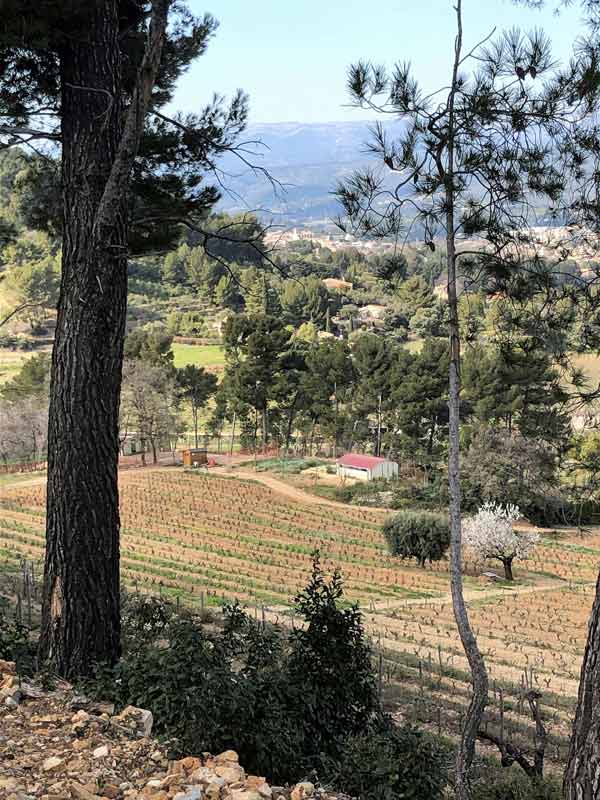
(307, 159)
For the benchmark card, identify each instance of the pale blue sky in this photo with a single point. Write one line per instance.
(291, 56)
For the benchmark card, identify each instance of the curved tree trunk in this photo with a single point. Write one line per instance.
(582, 776)
(468, 737)
(508, 573)
(81, 592)
(466, 749)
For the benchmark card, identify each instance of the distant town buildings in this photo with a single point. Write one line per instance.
(333, 241)
(370, 312)
(579, 243)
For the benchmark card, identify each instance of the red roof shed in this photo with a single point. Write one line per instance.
(359, 461)
(360, 467)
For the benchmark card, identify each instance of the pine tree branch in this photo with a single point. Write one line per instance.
(236, 150)
(18, 310)
(20, 131)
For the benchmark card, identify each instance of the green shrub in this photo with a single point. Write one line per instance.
(208, 691)
(282, 701)
(9, 340)
(513, 784)
(15, 642)
(147, 289)
(144, 619)
(330, 667)
(429, 496)
(390, 764)
(423, 535)
(343, 494)
(186, 323)
(367, 492)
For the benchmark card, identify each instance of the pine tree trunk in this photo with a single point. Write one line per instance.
(582, 776)
(195, 418)
(335, 444)
(80, 610)
(468, 735)
(81, 623)
(431, 436)
(466, 750)
(288, 432)
(232, 434)
(265, 428)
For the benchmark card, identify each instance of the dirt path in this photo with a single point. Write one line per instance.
(289, 491)
(472, 595)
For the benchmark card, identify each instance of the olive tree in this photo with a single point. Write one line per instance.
(422, 535)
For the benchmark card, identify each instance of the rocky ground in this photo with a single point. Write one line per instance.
(57, 745)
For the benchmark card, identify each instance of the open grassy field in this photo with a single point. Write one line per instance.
(208, 356)
(11, 362)
(12, 479)
(209, 535)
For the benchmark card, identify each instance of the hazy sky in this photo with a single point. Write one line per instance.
(291, 56)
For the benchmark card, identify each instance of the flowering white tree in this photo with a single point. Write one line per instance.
(491, 534)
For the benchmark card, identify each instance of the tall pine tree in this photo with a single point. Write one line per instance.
(92, 78)
(474, 160)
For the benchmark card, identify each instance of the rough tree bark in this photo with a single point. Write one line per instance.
(507, 564)
(80, 615)
(466, 749)
(582, 776)
(81, 593)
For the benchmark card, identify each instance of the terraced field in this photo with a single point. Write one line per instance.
(186, 533)
(212, 536)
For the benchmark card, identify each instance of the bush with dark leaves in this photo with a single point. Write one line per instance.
(423, 535)
(283, 702)
(390, 763)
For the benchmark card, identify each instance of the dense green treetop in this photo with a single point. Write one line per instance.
(168, 188)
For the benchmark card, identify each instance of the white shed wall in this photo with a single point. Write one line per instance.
(354, 473)
(387, 469)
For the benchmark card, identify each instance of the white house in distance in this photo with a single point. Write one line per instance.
(365, 468)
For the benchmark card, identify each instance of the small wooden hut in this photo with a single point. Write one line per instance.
(195, 457)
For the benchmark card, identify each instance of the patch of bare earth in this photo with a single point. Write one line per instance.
(56, 745)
